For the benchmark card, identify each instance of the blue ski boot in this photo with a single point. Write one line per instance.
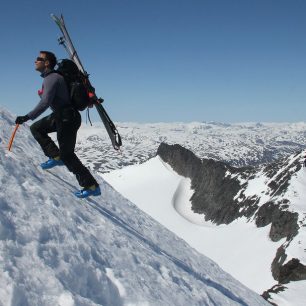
(51, 163)
(88, 191)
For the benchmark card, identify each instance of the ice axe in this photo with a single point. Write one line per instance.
(12, 137)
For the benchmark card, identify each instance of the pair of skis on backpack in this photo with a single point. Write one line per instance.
(66, 42)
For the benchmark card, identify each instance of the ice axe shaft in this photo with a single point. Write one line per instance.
(12, 137)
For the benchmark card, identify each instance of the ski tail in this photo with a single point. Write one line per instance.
(109, 126)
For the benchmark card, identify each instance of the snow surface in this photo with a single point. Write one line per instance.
(59, 250)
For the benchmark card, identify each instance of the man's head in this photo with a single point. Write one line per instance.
(45, 60)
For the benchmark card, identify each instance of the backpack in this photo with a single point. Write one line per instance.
(75, 80)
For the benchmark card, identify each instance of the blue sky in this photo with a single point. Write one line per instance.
(167, 60)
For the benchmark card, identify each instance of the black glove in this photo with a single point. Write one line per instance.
(22, 119)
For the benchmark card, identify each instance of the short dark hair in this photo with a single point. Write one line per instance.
(51, 58)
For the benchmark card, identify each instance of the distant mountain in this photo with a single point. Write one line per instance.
(243, 144)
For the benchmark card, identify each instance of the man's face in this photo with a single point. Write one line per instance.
(41, 62)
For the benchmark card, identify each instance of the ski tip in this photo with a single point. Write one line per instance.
(57, 19)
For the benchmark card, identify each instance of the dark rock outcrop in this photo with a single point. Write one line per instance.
(214, 191)
(284, 224)
(182, 160)
(292, 270)
(275, 289)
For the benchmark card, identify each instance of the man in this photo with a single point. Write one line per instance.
(65, 120)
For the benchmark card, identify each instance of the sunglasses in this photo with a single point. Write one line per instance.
(40, 59)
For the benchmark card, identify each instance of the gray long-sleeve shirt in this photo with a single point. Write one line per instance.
(54, 94)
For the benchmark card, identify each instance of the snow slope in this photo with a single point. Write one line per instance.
(59, 250)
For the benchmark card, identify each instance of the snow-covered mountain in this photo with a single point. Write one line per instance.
(59, 250)
(250, 220)
(241, 144)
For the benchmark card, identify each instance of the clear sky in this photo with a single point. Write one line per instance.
(167, 60)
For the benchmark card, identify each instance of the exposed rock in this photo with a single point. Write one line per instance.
(280, 181)
(182, 160)
(213, 191)
(293, 270)
(275, 289)
(284, 224)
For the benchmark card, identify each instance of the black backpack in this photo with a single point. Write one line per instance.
(75, 81)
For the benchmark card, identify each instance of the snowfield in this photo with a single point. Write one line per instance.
(58, 250)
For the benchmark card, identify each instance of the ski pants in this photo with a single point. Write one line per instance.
(65, 122)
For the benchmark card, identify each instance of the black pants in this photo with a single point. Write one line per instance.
(66, 123)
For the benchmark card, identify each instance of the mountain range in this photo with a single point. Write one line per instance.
(239, 144)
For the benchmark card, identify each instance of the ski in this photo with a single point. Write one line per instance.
(66, 42)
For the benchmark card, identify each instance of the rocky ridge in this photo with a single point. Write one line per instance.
(223, 193)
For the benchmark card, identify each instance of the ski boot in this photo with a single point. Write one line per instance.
(51, 163)
(93, 190)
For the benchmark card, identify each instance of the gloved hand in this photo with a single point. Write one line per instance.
(22, 119)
